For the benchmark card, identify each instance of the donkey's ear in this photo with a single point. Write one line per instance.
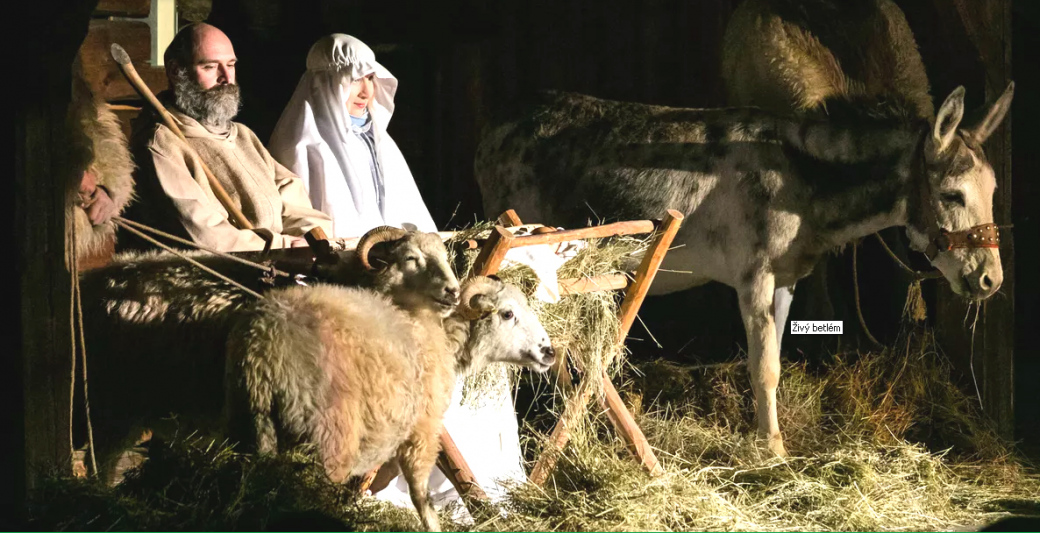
(947, 120)
(994, 115)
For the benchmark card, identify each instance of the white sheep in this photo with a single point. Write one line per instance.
(362, 381)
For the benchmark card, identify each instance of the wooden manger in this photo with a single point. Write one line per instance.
(492, 253)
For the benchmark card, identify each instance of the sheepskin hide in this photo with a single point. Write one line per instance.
(156, 334)
(98, 144)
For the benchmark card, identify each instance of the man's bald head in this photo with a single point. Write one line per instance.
(203, 51)
(200, 63)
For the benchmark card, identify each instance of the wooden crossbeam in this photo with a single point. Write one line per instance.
(609, 282)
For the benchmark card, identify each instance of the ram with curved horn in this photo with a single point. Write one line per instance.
(338, 386)
(157, 327)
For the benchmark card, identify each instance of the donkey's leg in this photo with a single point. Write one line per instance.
(782, 298)
(756, 307)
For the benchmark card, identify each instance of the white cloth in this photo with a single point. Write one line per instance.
(314, 139)
(544, 260)
(487, 434)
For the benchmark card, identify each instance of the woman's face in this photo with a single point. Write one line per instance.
(359, 94)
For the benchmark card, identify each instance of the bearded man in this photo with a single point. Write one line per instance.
(174, 193)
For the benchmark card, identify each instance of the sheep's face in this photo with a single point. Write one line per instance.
(414, 271)
(504, 327)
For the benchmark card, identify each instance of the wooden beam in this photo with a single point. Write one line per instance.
(493, 252)
(123, 8)
(626, 425)
(647, 271)
(509, 219)
(457, 470)
(101, 71)
(606, 282)
(39, 364)
(606, 230)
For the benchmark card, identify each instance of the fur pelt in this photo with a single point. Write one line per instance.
(98, 144)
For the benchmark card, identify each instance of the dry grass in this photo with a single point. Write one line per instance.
(863, 460)
(880, 441)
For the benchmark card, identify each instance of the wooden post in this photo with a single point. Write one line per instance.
(454, 466)
(38, 363)
(561, 433)
(509, 219)
(494, 251)
(616, 410)
(647, 271)
(626, 425)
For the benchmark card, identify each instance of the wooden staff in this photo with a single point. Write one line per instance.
(127, 68)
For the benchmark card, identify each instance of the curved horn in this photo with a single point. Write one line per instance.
(474, 302)
(374, 237)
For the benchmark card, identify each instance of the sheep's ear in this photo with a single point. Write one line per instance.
(494, 277)
(379, 255)
(482, 305)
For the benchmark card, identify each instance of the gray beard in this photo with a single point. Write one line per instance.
(213, 108)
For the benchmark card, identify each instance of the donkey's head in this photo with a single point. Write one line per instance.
(411, 267)
(953, 222)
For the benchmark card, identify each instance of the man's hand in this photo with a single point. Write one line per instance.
(95, 200)
(87, 186)
(298, 242)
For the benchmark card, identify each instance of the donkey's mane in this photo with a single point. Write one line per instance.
(891, 110)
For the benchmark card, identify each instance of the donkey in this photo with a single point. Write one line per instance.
(764, 195)
(801, 55)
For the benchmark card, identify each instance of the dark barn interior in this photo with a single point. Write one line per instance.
(463, 63)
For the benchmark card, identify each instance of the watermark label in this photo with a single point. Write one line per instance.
(816, 327)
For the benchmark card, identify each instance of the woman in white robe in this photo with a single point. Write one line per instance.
(333, 135)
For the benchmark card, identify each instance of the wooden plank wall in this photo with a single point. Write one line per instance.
(124, 22)
(1025, 114)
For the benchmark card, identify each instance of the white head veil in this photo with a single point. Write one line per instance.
(313, 138)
